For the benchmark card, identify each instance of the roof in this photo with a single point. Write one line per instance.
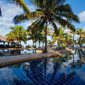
(2, 38)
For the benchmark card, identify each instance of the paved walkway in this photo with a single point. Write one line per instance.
(8, 60)
(17, 48)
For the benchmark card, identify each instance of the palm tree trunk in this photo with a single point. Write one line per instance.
(80, 41)
(73, 40)
(39, 43)
(46, 38)
(33, 43)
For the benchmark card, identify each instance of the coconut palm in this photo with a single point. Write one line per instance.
(22, 4)
(68, 39)
(53, 11)
(60, 36)
(80, 33)
(17, 33)
(73, 32)
(50, 43)
(33, 34)
(10, 37)
(40, 37)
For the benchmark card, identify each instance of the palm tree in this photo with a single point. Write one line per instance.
(80, 32)
(40, 37)
(68, 39)
(22, 4)
(60, 36)
(73, 32)
(10, 37)
(33, 34)
(50, 43)
(53, 11)
(17, 33)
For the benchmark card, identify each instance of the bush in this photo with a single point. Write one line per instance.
(28, 46)
(33, 46)
(18, 45)
(63, 46)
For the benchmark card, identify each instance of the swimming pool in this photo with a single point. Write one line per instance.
(65, 70)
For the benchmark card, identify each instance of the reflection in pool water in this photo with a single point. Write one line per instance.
(65, 70)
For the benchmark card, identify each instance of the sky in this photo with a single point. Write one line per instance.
(10, 10)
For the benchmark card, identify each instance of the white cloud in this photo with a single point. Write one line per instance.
(82, 16)
(84, 28)
(8, 13)
(32, 8)
(67, 31)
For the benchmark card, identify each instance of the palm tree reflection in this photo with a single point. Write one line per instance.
(38, 74)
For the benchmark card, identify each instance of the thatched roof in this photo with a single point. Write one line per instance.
(2, 38)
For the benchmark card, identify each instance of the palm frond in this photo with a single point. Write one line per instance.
(55, 28)
(19, 18)
(70, 16)
(60, 2)
(63, 8)
(65, 23)
(22, 4)
(41, 25)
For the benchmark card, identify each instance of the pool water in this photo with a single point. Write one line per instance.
(65, 70)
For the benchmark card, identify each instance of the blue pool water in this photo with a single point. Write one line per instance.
(66, 70)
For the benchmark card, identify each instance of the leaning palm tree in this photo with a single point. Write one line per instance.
(53, 11)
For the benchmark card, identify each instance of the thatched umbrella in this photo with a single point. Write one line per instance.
(2, 38)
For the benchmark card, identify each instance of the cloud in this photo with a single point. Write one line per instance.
(32, 8)
(82, 16)
(8, 13)
(84, 28)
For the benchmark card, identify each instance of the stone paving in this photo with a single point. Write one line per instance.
(7, 60)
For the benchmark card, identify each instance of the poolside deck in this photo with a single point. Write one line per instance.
(17, 48)
(78, 48)
(8, 60)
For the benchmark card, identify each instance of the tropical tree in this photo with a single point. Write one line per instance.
(10, 37)
(40, 37)
(73, 32)
(68, 39)
(59, 37)
(33, 34)
(80, 33)
(17, 33)
(22, 4)
(50, 43)
(53, 11)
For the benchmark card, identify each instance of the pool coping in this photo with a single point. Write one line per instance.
(8, 60)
